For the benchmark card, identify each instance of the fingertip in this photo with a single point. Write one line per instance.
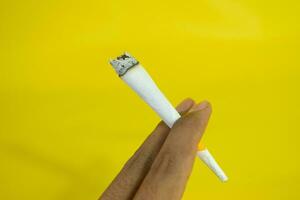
(202, 106)
(189, 99)
(185, 105)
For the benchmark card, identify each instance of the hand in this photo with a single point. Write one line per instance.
(160, 168)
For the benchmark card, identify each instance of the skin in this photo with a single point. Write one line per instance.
(160, 168)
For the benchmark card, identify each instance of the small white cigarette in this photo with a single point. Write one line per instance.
(136, 77)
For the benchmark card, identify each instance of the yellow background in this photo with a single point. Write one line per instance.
(60, 100)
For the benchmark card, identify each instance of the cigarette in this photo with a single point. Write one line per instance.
(137, 78)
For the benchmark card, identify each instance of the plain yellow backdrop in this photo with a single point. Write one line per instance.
(68, 123)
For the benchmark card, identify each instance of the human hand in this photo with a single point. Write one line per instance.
(161, 166)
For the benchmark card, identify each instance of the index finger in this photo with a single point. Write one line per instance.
(127, 182)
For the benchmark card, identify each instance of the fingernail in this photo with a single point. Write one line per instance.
(201, 106)
(185, 105)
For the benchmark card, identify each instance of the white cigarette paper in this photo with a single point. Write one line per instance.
(136, 77)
